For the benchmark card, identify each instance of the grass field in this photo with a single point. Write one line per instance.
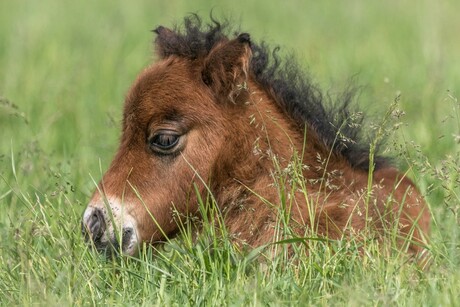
(65, 67)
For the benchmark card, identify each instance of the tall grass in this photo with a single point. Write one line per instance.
(64, 69)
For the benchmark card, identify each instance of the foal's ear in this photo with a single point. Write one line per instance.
(225, 69)
(165, 41)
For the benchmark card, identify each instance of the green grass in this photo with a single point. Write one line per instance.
(64, 69)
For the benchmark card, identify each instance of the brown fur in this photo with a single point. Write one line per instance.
(232, 132)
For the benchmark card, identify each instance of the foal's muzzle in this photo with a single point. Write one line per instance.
(98, 230)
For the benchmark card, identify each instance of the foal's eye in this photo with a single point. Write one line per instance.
(164, 141)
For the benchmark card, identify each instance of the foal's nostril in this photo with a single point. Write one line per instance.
(127, 234)
(95, 224)
(126, 237)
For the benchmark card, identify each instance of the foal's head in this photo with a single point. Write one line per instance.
(178, 117)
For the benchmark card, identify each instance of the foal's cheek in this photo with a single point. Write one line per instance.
(201, 149)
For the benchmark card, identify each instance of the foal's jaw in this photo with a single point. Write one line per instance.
(109, 228)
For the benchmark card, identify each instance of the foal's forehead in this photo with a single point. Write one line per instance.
(164, 76)
(169, 86)
(161, 81)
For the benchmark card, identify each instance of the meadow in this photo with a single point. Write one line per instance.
(65, 67)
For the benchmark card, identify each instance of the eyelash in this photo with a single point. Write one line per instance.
(164, 142)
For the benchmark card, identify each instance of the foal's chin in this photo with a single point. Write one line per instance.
(109, 230)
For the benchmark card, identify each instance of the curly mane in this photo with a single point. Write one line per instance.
(290, 87)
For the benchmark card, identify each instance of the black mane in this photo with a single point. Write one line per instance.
(333, 122)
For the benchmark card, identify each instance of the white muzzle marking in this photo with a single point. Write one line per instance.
(117, 221)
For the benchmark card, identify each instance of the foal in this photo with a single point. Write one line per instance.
(219, 115)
